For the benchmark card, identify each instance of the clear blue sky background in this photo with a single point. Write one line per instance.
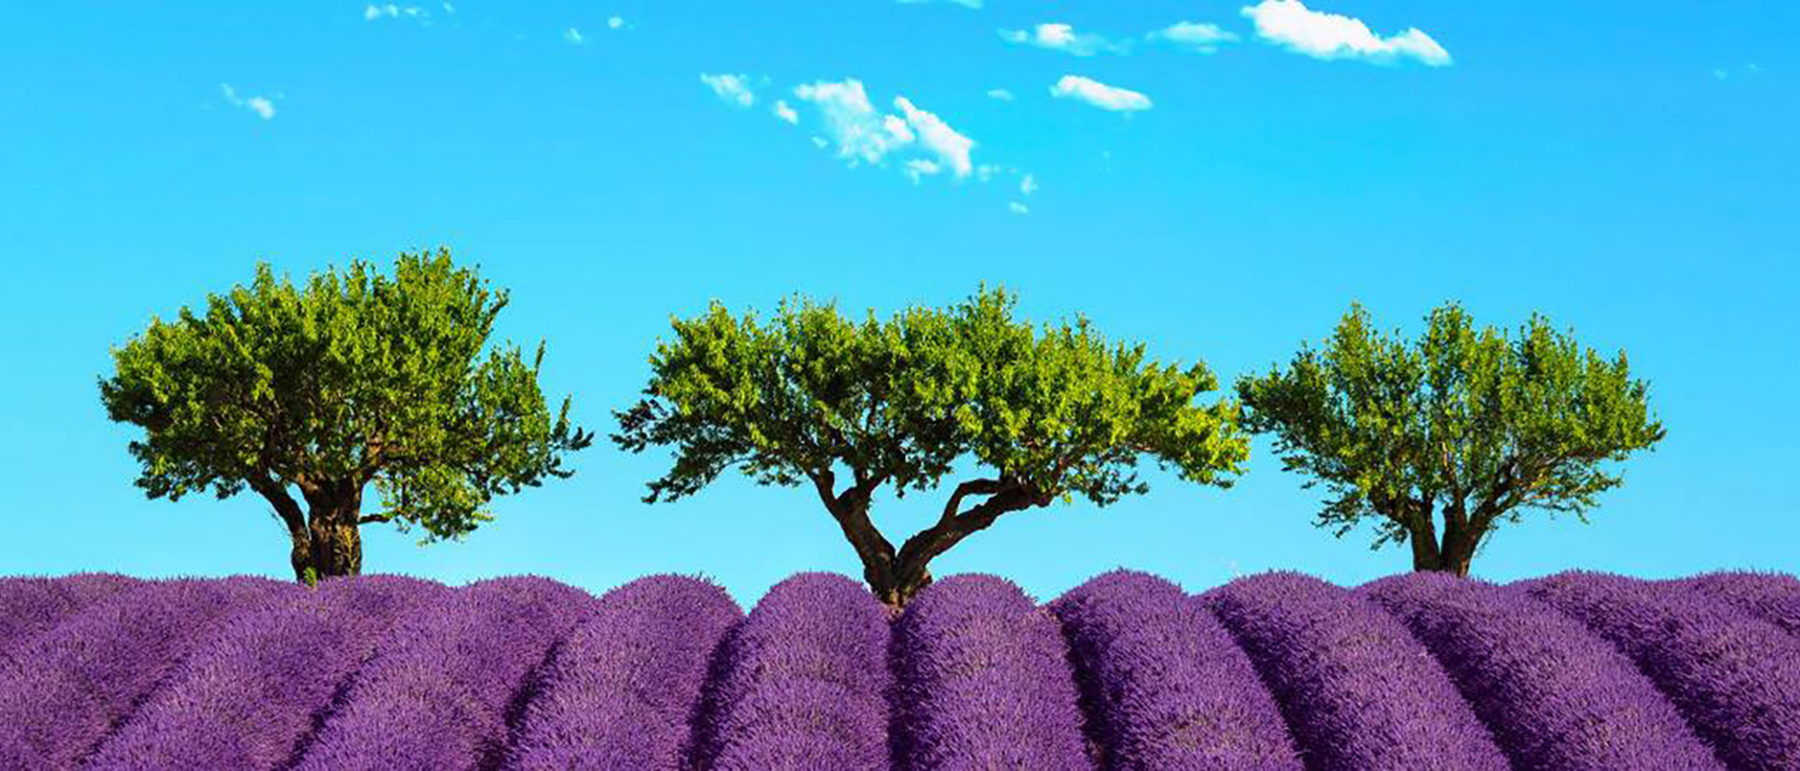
(1628, 169)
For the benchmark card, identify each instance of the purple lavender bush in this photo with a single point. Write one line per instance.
(1772, 597)
(1557, 697)
(444, 691)
(1357, 690)
(1163, 684)
(801, 683)
(982, 681)
(1735, 677)
(249, 694)
(31, 606)
(619, 693)
(67, 688)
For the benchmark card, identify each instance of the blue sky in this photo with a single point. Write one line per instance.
(1629, 170)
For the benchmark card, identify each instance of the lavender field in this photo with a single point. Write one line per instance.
(1276, 671)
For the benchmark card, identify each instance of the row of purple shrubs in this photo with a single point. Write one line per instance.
(620, 691)
(33, 605)
(1734, 676)
(63, 691)
(1557, 697)
(247, 697)
(1357, 690)
(1163, 684)
(982, 681)
(443, 692)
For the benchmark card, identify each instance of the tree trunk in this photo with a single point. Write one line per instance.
(1452, 556)
(900, 589)
(334, 543)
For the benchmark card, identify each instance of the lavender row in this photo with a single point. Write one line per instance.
(619, 692)
(801, 682)
(1163, 684)
(1556, 696)
(65, 689)
(1736, 678)
(32, 606)
(444, 693)
(982, 680)
(1356, 689)
(249, 694)
(1772, 597)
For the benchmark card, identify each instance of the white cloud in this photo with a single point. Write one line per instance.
(1018, 208)
(1195, 36)
(372, 12)
(820, 142)
(919, 168)
(986, 171)
(448, 8)
(615, 22)
(1028, 185)
(852, 123)
(937, 136)
(732, 89)
(1000, 94)
(786, 113)
(1290, 24)
(263, 108)
(1062, 37)
(574, 37)
(1099, 94)
(963, 3)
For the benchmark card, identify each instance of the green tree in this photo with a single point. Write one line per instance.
(354, 379)
(815, 399)
(1461, 426)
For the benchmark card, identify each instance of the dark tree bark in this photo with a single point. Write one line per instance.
(326, 541)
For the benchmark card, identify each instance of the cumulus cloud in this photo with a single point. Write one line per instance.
(1290, 24)
(1062, 37)
(1194, 36)
(1099, 94)
(935, 135)
(785, 113)
(1000, 94)
(851, 121)
(573, 36)
(260, 105)
(731, 89)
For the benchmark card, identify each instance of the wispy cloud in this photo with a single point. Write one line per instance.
(260, 105)
(573, 36)
(1000, 94)
(1028, 185)
(1099, 94)
(852, 122)
(963, 3)
(785, 113)
(1064, 38)
(615, 22)
(391, 11)
(1194, 36)
(1290, 24)
(1018, 208)
(946, 143)
(732, 89)
(919, 168)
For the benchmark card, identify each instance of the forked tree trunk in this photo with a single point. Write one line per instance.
(332, 541)
(1452, 556)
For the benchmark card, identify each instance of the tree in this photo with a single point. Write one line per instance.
(354, 379)
(1462, 426)
(813, 397)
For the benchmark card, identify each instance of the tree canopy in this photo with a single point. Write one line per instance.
(1468, 426)
(812, 397)
(351, 379)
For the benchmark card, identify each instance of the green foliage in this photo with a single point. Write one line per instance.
(1473, 424)
(350, 379)
(1055, 414)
